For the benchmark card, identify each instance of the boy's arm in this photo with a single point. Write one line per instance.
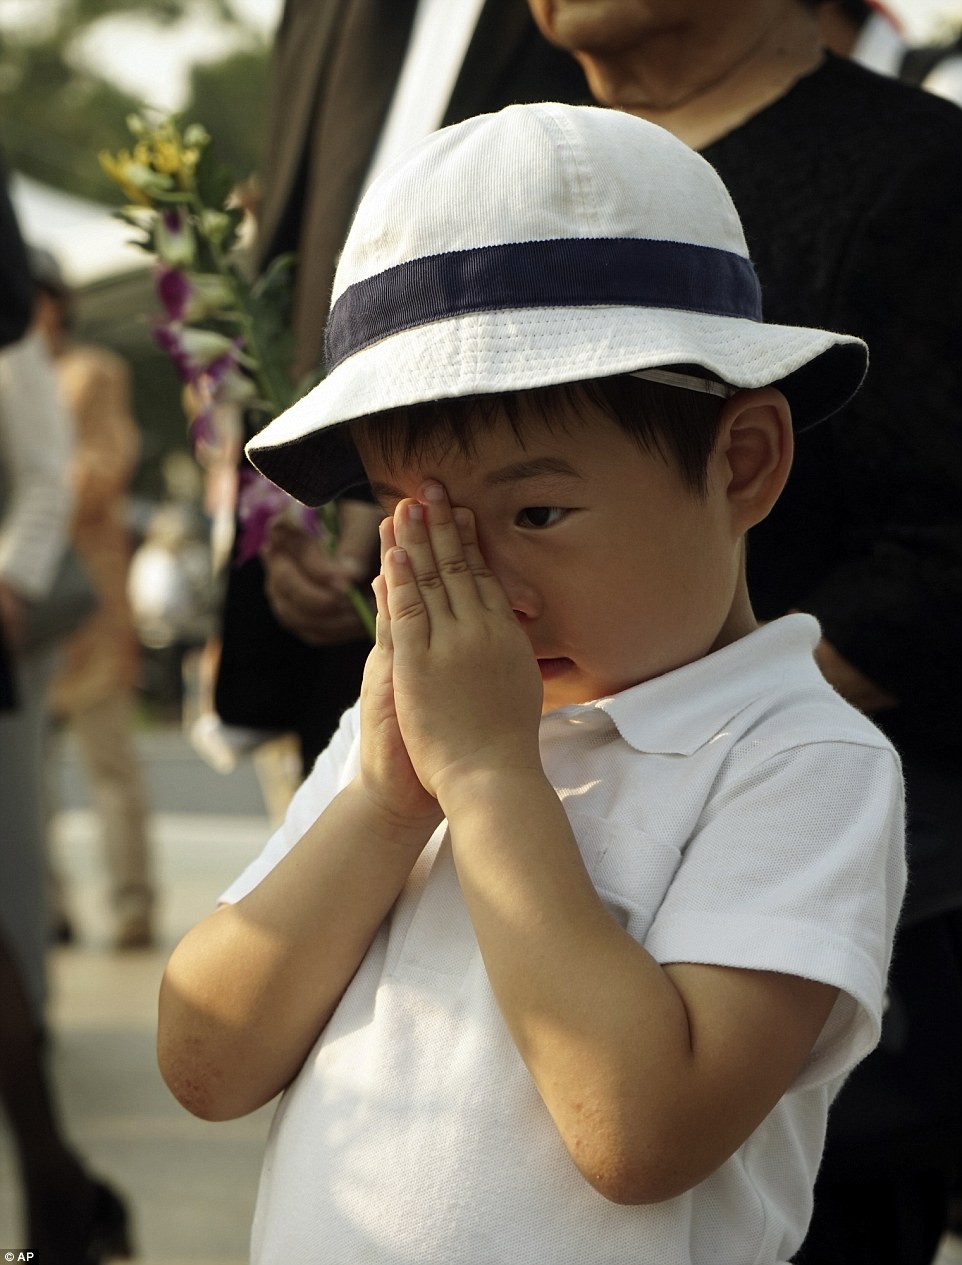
(653, 1075)
(247, 992)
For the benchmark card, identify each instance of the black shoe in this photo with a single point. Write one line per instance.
(108, 1232)
(85, 1223)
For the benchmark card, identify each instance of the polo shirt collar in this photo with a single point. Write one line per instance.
(680, 712)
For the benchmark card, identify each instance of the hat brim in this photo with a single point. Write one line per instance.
(307, 450)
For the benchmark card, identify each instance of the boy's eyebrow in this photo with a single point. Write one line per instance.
(535, 467)
(531, 469)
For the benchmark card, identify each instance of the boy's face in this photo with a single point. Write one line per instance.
(615, 569)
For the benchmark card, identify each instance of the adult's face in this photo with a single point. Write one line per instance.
(647, 56)
(609, 25)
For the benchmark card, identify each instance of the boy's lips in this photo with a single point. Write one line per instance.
(552, 668)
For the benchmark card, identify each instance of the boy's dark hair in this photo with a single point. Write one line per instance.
(679, 425)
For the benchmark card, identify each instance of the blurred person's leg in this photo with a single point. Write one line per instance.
(23, 906)
(69, 1216)
(105, 738)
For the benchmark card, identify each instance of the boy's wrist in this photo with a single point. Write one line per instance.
(382, 820)
(491, 789)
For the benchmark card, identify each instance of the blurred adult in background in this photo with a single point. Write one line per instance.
(16, 310)
(94, 691)
(847, 184)
(355, 81)
(70, 1216)
(870, 34)
(34, 506)
(34, 511)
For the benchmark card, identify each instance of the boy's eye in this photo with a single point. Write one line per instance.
(540, 516)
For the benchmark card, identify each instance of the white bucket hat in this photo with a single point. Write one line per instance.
(541, 245)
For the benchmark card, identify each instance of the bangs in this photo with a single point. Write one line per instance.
(673, 424)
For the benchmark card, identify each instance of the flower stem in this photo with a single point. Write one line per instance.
(328, 515)
(265, 382)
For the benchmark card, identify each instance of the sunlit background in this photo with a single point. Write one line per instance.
(71, 71)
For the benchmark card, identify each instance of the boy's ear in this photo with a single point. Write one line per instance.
(756, 446)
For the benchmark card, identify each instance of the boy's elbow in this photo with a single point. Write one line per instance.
(632, 1168)
(198, 1066)
(195, 1081)
(632, 1184)
(206, 1085)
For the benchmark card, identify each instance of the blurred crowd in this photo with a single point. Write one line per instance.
(847, 178)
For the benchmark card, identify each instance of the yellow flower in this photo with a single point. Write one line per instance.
(162, 161)
(117, 167)
(166, 156)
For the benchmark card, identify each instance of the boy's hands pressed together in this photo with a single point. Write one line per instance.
(387, 774)
(466, 682)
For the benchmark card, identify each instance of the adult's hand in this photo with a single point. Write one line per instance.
(307, 587)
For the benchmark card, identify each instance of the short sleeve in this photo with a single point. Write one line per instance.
(334, 768)
(798, 866)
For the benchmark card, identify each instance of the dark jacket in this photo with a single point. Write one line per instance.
(336, 63)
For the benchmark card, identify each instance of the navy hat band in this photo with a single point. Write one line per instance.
(566, 272)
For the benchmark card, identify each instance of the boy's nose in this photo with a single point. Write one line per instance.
(523, 602)
(521, 593)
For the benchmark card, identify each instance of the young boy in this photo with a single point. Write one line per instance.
(574, 930)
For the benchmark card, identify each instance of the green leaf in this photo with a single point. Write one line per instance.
(214, 181)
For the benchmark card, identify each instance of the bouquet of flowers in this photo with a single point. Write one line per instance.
(226, 332)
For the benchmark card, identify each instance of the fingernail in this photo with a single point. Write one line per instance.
(416, 511)
(400, 555)
(433, 492)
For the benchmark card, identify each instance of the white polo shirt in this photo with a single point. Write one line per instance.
(735, 811)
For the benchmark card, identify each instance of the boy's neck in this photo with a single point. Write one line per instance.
(740, 620)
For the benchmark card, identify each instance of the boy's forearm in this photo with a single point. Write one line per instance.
(641, 1092)
(589, 1009)
(247, 992)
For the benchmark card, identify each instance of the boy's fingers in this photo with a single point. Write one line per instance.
(444, 538)
(386, 535)
(405, 599)
(383, 623)
(488, 586)
(433, 553)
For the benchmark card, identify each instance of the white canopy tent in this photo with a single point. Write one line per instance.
(88, 242)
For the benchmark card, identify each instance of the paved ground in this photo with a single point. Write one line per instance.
(190, 1185)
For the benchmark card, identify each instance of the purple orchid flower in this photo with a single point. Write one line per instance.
(259, 502)
(168, 339)
(174, 291)
(174, 238)
(198, 353)
(201, 430)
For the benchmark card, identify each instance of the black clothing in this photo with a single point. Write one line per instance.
(864, 235)
(848, 189)
(16, 283)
